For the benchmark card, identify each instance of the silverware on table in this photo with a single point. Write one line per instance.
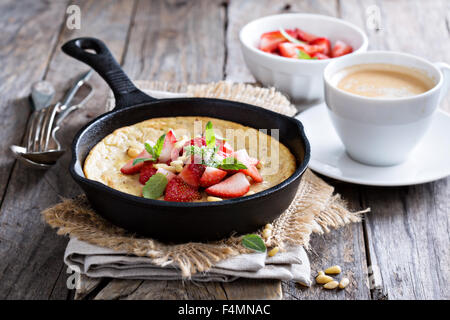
(43, 149)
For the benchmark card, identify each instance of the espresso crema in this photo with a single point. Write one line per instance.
(383, 81)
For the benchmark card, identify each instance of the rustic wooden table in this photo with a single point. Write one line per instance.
(404, 240)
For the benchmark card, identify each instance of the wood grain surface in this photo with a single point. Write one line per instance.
(32, 265)
(406, 231)
(400, 251)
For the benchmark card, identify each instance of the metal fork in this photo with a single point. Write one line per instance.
(42, 125)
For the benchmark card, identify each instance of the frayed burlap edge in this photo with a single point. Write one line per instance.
(314, 209)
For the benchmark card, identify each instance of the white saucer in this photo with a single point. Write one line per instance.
(429, 161)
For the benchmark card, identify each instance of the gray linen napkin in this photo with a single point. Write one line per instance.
(94, 261)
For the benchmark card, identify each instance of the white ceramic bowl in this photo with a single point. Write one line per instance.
(302, 80)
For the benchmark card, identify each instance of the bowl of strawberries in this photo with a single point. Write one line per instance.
(291, 51)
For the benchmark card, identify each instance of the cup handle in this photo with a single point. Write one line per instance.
(445, 69)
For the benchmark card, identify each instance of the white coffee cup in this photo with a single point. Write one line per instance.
(383, 131)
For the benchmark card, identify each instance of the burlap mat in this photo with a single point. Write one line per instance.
(314, 209)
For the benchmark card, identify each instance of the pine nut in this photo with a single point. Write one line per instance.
(132, 152)
(322, 279)
(320, 273)
(177, 164)
(273, 252)
(331, 285)
(268, 226)
(344, 282)
(333, 270)
(211, 199)
(266, 233)
(164, 166)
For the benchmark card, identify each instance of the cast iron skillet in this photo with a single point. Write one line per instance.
(173, 221)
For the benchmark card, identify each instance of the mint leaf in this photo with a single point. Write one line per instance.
(155, 186)
(209, 135)
(253, 242)
(155, 151)
(139, 160)
(150, 150)
(159, 145)
(231, 163)
(303, 55)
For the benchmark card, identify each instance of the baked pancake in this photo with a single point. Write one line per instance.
(105, 160)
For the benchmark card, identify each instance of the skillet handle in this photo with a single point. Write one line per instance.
(102, 61)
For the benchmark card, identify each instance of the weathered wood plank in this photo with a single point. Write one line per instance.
(177, 41)
(408, 235)
(86, 286)
(29, 33)
(242, 12)
(344, 247)
(32, 265)
(188, 290)
(160, 290)
(243, 289)
(408, 228)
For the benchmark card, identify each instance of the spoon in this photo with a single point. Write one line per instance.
(28, 159)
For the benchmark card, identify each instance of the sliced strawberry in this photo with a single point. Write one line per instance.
(235, 186)
(169, 142)
(270, 40)
(212, 176)
(320, 56)
(304, 36)
(169, 175)
(251, 171)
(199, 142)
(176, 153)
(179, 191)
(129, 168)
(340, 48)
(323, 44)
(147, 171)
(288, 49)
(192, 173)
(291, 50)
(224, 147)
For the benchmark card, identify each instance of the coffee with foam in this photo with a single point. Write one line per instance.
(378, 80)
